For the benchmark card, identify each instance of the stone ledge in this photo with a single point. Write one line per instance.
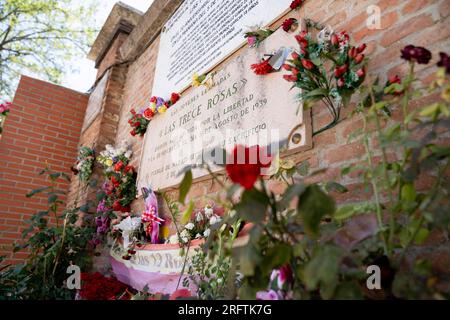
(122, 18)
(149, 27)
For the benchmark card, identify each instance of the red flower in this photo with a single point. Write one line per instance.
(133, 112)
(295, 72)
(301, 40)
(341, 82)
(153, 99)
(352, 53)
(339, 71)
(180, 293)
(287, 67)
(245, 164)
(290, 78)
(295, 4)
(133, 133)
(262, 68)
(307, 64)
(419, 54)
(361, 73)
(174, 98)
(395, 79)
(148, 114)
(444, 62)
(359, 58)
(118, 166)
(129, 169)
(334, 39)
(117, 206)
(361, 48)
(124, 209)
(295, 55)
(115, 182)
(288, 23)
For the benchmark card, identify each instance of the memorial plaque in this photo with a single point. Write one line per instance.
(94, 106)
(240, 108)
(204, 32)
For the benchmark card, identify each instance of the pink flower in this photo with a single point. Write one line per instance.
(251, 41)
(267, 295)
(285, 276)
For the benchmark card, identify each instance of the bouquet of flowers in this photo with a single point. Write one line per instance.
(197, 228)
(327, 68)
(85, 163)
(96, 286)
(139, 120)
(254, 38)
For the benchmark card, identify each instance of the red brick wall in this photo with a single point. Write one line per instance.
(43, 127)
(419, 22)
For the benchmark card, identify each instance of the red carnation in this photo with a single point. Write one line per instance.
(361, 73)
(180, 293)
(133, 133)
(118, 166)
(153, 99)
(174, 98)
(301, 40)
(395, 79)
(115, 182)
(359, 58)
(148, 114)
(334, 39)
(133, 112)
(129, 168)
(117, 206)
(287, 67)
(288, 23)
(444, 62)
(339, 71)
(361, 48)
(307, 64)
(352, 53)
(295, 4)
(262, 68)
(290, 78)
(419, 54)
(245, 164)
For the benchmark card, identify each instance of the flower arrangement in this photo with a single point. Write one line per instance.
(199, 227)
(254, 38)
(139, 120)
(119, 189)
(327, 68)
(96, 286)
(85, 163)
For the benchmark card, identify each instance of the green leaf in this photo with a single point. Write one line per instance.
(344, 212)
(291, 192)
(313, 205)
(408, 192)
(253, 205)
(36, 191)
(185, 186)
(186, 215)
(322, 271)
(334, 186)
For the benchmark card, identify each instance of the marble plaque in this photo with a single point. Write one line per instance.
(94, 107)
(204, 32)
(240, 108)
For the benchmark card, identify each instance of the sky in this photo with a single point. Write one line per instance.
(84, 78)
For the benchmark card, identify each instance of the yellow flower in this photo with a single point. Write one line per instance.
(162, 109)
(109, 162)
(196, 80)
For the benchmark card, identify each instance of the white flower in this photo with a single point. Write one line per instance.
(198, 236)
(232, 213)
(199, 217)
(214, 219)
(173, 239)
(207, 233)
(184, 235)
(208, 211)
(189, 226)
(128, 154)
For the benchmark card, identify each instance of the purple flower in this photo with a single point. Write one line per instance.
(159, 102)
(267, 295)
(444, 62)
(419, 54)
(101, 207)
(102, 224)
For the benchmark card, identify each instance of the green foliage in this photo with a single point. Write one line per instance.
(40, 36)
(54, 240)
